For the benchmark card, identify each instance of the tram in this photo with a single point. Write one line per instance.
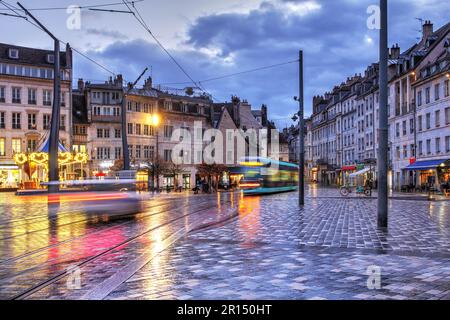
(266, 176)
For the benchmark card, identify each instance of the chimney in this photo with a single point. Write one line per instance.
(236, 111)
(264, 115)
(80, 84)
(395, 52)
(427, 29)
(148, 83)
(118, 80)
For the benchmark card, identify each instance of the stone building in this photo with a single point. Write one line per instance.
(26, 99)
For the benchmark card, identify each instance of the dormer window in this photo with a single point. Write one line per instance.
(13, 53)
(50, 58)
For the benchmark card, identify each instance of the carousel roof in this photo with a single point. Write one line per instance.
(45, 146)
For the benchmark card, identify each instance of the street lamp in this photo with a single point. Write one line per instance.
(301, 132)
(154, 121)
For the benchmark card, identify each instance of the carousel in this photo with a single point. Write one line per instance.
(34, 165)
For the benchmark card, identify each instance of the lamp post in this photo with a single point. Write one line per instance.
(53, 168)
(301, 135)
(383, 121)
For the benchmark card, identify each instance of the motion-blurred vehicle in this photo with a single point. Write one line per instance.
(111, 196)
(265, 176)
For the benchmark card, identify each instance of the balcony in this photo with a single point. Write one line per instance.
(32, 102)
(105, 118)
(80, 139)
(15, 100)
(47, 103)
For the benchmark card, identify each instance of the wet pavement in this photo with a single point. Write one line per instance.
(226, 246)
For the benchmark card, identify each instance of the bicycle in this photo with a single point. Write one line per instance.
(346, 190)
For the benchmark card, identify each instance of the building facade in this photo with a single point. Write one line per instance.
(26, 99)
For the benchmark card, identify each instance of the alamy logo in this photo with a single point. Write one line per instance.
(73, 22)
(374, 277)
(73, 281)
(373, 21)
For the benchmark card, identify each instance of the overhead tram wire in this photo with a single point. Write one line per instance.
(15, 10)
(80, 7)
(235, 74)
(142, 22)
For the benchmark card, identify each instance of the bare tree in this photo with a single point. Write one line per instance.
(212, 173)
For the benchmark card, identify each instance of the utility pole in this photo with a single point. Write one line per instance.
(383, 121)
(126, 153)
(53, 168)
(301, 136)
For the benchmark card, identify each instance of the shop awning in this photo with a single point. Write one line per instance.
(348, 168)
(360, 172)
(426, 165)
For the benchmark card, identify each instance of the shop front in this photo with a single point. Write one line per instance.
(9, 176)
(431, 173)
(346, 171)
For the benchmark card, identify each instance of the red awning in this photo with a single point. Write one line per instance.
(348, 168)
(100, 174)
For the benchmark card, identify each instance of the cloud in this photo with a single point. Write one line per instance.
(333, 35)
(106, 33)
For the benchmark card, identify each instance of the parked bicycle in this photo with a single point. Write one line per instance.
(346, 190)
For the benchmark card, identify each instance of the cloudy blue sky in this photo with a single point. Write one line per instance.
(211, 38)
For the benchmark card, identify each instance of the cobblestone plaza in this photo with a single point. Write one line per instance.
(227, 246)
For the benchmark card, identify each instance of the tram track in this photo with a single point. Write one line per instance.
(138, 218)
(61, 274)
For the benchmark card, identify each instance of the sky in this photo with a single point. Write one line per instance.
(211, 38)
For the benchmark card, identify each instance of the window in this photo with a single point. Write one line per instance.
(437, 118)
(46, 121)
(103, 153)
(437, 88)
(404, 128)
(117, 134)
(438, 145)
(428, 120)
(152, 152)
(146, 132)
(138, 152)
(15, 95)
(411, 126)
(446, 88)
(138, 107)
(146, 152)
(397, 152)
(129, 106)
(167, 155)
(62, 123)
(168, 131)
(117, 152)
(420, 148)
(13, 53)
(32, 121)
(419, 98)
(447, 115)
(97, 111)
(405, 152)
(2, 94)
(16, 120)
(138, 128)
(16, 145)
(31, 145)
(419, 121)
(99, 133)
(397, 129)
(31, 96)
(427, 95)
(130, 128)
(47, 97)
(2, 120)
(2, 147)
(429, 146)
(447, 144)
(63, 99)
(116, 112)
(412, 150)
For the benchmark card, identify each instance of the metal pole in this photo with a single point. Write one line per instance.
(383, 121)
(301, 162)
(53, 169)
(157, 159)
(126, 153)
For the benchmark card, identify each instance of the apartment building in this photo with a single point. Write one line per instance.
(26, 99)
